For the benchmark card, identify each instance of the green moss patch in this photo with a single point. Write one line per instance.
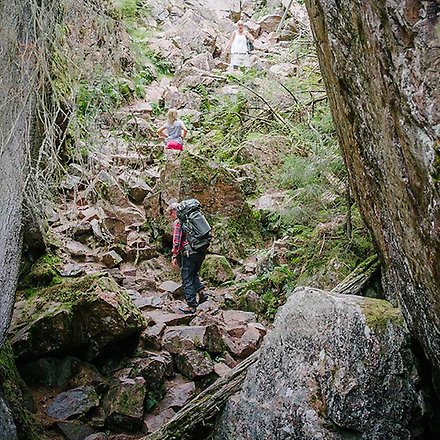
(18, 397)
(378, 313)
(217, 269)
(82, 314)
(42, 273)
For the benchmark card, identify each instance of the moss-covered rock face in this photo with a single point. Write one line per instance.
(235, 227)
(77, 317)
(331, 357)
(379, 314)
(216, 269)
(18, 401)
(235, 236)
(42, 272)
(213, 185)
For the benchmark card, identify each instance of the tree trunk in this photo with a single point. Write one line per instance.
(358, 280)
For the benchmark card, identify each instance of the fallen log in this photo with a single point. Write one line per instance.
(206, 405)
(357, 280)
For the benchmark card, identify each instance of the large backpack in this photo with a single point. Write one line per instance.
(194, 224)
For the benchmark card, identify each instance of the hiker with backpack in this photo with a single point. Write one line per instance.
(191, 238)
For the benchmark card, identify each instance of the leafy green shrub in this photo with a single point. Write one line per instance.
(127, 9)
(163, 66)
(141, 79)
(105, 95)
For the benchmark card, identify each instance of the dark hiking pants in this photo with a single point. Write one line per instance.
(190, 266)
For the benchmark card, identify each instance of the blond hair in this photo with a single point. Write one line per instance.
(172, 116)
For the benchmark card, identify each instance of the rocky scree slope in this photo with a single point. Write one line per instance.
(95, 328)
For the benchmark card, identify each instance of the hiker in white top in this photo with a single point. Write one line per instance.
(238, 44)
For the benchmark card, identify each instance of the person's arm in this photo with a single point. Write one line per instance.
(177, 239)
(184, 131)
(250, 36)
(230, 41)
(161, 131)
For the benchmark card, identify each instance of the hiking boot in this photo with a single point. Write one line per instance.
(189, 310)
(203, 297)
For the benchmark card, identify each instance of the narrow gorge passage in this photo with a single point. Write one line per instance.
(297, 338)
(96, 333)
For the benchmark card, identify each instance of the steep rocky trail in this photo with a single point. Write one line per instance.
(97, 330)
(98, 348)
(97, 234)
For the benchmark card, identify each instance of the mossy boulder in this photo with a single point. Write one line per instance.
(219, 190)
(216, 269)
(42, 273)
(77, 317)
(18, 404)
(215, 186)
(380, 313)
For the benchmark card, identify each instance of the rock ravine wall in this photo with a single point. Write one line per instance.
(379, 60)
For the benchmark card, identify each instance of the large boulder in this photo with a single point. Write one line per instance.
(212, 184)
(217, 269)
(78, 317)
(334, 367)
(73, 403)
(180, 338)
(224, 202)
(379, 63)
